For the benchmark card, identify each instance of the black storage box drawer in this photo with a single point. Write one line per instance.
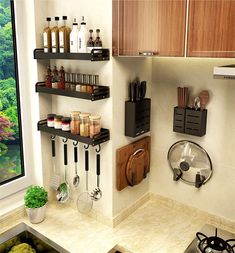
(190, 121)
(137, 117)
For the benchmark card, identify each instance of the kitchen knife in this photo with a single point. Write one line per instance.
(143, 88)
(132, 91)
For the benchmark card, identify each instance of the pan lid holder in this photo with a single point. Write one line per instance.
(190, 163)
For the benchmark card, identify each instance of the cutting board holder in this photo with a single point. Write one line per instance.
(122, 156)
(137, 117)
(190, 121)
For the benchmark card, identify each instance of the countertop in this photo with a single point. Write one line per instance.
(155, 227)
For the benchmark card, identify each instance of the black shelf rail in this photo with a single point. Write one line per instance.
(101, 54)
(100, 92)
(102, 137)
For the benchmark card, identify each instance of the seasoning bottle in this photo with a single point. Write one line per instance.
(55, 36)
(95, 125)
(61, 81)
(75, 122)
(58, 121)
(64, 33)
(89, 87)
(84, 124)
(47, 36)
(78, 82)
(65, 124)
(67, 81)
(97, 42)
(55, 78)
(74, 37)
(90, 42)
(82, 37)
(48, 81)
(73, 82)
(83, 83)
(50, 120)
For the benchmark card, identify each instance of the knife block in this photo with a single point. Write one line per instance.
(137, 117)
(190, 121)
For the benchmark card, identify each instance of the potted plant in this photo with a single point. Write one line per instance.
(35, 200)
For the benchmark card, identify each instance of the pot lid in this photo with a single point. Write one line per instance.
(190, 159)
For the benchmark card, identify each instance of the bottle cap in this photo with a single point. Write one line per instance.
(75, 21)
(57, 18)
(64, 17)
(97, 30)
(94, 117)
(48, 19)
(84, 115)
(91, 31)
(66, 120)
(83, 21)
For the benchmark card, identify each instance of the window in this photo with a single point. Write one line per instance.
(11, 146)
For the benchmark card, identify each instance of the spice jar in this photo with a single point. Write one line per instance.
(75, 122)
(95, 125)
(58, 121)
(73, 82)
(84, 124)
(83, 83)
(50, 120)
(65, 124)
(89, 87)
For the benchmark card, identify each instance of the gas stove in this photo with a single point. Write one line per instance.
(212, 240)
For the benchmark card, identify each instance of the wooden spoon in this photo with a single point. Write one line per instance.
(204, 99)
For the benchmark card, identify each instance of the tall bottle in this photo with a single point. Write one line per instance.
(47, 36)
(64, 33)
(82, 37)
(90, 42)
(74, 37)
(55, 36)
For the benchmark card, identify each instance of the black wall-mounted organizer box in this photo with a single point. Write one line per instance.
(190, 121)
(102, 137)
(137, 117)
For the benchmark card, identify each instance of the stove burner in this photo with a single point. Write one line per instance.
(214, 244)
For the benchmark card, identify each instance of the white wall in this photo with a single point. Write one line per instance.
(217, 195)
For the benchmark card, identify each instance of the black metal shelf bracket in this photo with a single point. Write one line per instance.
(97, 150)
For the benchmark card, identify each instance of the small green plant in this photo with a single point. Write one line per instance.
(35, 197)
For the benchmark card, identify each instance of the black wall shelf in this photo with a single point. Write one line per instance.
(101, 92)
(95, 55)
(102, 137)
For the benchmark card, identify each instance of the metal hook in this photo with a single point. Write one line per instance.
(53, 137)
(65, 140)
(86, 146)
(75, 143)
(97, 150)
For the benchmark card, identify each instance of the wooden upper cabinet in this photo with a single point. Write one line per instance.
(156, 26)
(211, 30)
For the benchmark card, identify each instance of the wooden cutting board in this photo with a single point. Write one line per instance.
(124, 154)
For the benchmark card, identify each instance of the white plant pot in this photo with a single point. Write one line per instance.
(36, 215)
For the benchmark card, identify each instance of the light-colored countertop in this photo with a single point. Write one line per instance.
(153, 228)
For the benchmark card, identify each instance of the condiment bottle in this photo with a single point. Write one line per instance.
(47, 37)
(97, 42)
(95, 125)
(89, 87)
(73, 82)
(61, 81)
(84, 124)
(83, 83)
(75, 122)
(82, 37)
(90, 42)
(58, 121)
(67, 81)
(65, 124)
(55, 36)
(78, 82)
(50, 120)
(55, 78)
(48, 81)
(74, 37)
(64, 33)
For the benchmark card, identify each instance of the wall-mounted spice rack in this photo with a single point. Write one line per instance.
(101, 92)
(102, 137)
(101, 54)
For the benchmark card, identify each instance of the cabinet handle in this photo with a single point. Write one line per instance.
(148, 53)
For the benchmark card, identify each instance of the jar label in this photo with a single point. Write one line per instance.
(53, 39)
(45, 40)
(61, 38)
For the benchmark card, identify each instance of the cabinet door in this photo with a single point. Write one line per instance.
(154, 26)
(211, 30)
